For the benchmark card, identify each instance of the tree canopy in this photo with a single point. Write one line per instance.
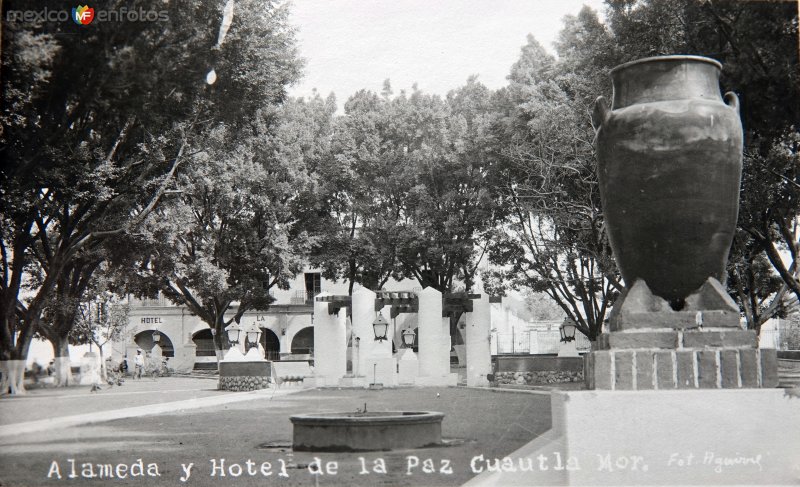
(172, 160)
(91, 144)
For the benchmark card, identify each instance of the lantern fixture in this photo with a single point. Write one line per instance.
(156, 336)
(408, 337)
(253, 334)
(233, 330)
(567, 330)
(380, 326)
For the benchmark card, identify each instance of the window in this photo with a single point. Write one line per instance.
(313, 285)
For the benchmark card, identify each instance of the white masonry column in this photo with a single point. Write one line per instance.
(362, 316)
(434, 341)
(330, 359)
(479, 354)
(429, 332)
(381, 366)
(447, 345)
(375, 361)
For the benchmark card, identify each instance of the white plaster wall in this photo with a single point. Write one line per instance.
(330, 360)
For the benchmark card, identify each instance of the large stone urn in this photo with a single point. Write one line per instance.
(670, 158)
(669, 164)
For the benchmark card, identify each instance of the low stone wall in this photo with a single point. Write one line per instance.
(537, 363)
(244, 376)
(243, 383)
(540, 377)
(789, 354)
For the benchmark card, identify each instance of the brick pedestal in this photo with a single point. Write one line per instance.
(651, 346)
(715, 368)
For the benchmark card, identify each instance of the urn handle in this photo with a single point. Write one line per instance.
(732, 100)
(600, 112)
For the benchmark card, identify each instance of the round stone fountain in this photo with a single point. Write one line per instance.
(371, 431)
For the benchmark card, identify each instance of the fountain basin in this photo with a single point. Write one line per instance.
(372, 431)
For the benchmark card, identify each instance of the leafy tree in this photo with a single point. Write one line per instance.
(759, 291)
(363, 187)
(90, 150)
(449, 219)
(554, 240)
(233, 234)
(392, 214)
(541, 307)
(100, 321)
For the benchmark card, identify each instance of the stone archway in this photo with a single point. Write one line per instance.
(303, 341)
(271, 343)
(205, 354)
(144, 340)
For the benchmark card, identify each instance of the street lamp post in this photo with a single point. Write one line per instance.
(380, 326)
(253, 336)
(407, 365)
(408, 337)
(567, 330)
(233, 330)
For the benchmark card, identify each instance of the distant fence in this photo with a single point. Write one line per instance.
(536, 342)
(769, 339)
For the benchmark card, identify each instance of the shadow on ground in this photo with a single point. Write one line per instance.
(252, 437)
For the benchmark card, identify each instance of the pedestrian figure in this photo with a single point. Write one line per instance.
(150, 366)
(138, 365)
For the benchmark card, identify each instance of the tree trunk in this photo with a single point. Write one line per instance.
(103, 368)
(12, 367)
(219, 349)
(63, 371)
(13, 376)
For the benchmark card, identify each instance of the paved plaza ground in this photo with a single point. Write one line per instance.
(173, 422)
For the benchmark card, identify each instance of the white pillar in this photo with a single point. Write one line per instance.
(407, 366)
(330, 359)
(447, 344)
(283, 334)
(362, 316)
(568, 349)
(433, 341)
(479, 354)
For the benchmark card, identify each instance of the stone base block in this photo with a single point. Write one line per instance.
(243, 383)
(245, 375)
(670, 339)
(322, 381)
(710, 306)
(407, 367)
(708, 368)
(715, 437)
(358, 381)
(449, 380)
(381, 370)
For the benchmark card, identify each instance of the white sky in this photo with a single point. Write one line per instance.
(353, 44)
